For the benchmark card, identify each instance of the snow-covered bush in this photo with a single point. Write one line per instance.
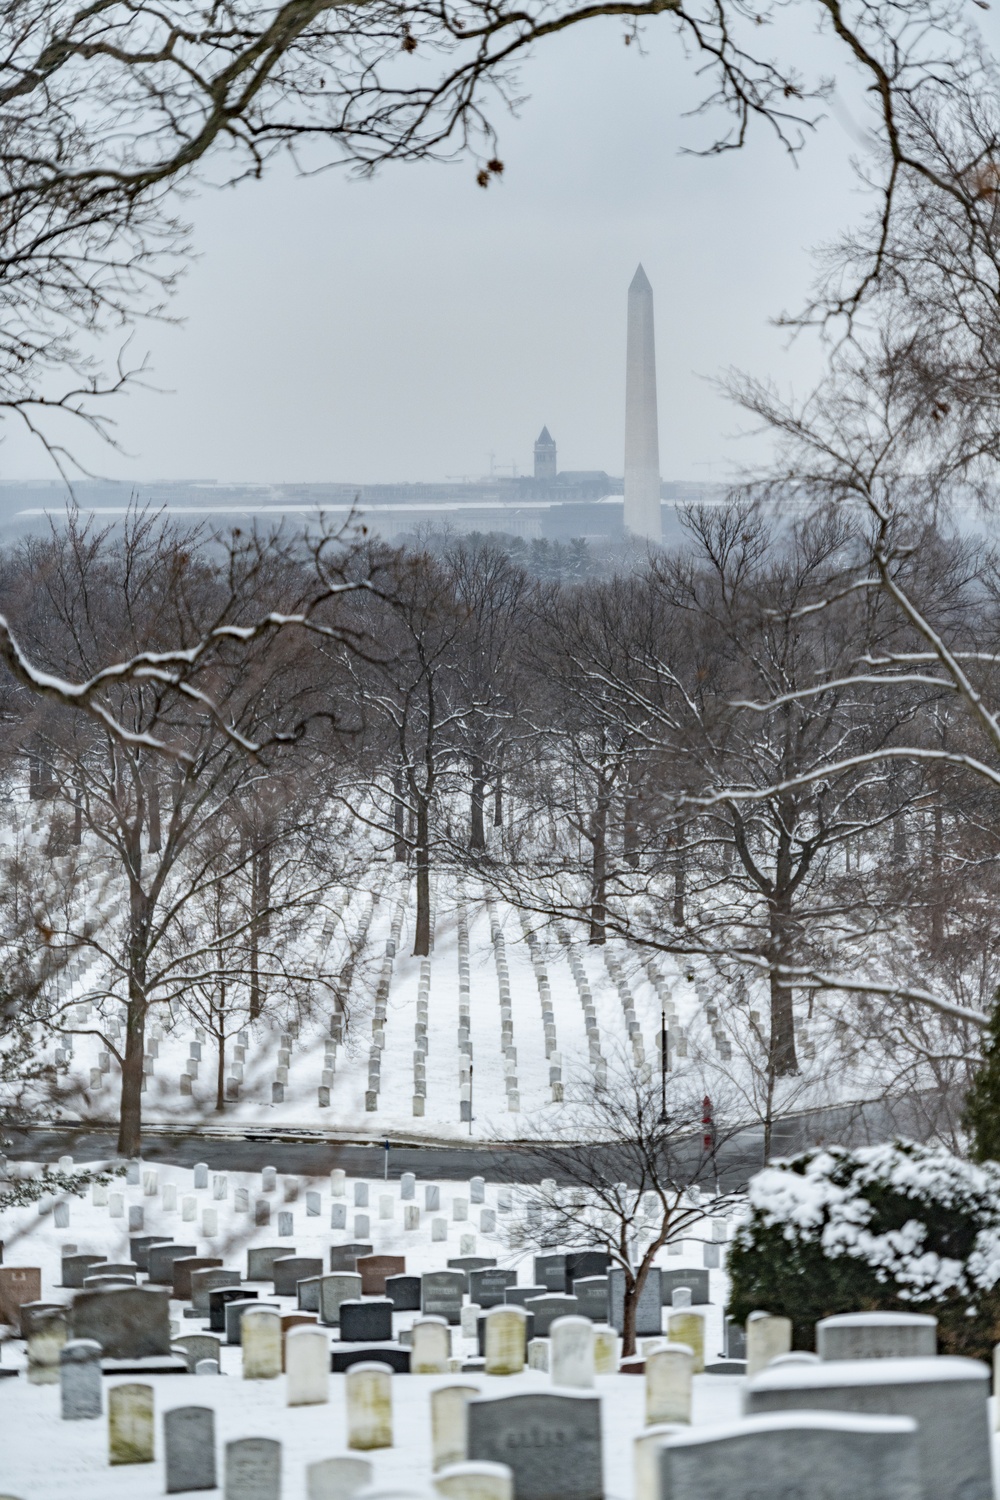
(893, 1227)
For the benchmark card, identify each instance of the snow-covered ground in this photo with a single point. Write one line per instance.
(44, 1458)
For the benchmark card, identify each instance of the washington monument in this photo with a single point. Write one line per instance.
(642, 447)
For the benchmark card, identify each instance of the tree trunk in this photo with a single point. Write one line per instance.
(680, 879)
(629, 1310)
(477, 829)
(153, 812)
(78, 819)
(937, 864)
(498, 799)
(422, 942)
(399, 850)
(220, 1074)
(782, 1060)
(630, 828)
(260, 896)
(599, 871)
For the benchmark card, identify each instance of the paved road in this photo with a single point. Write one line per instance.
(250, 1150)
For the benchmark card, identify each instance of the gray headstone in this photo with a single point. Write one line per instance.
(307, 1291)
(346, 1257)
(551, 1443)
(161, 1259)
(139, 1247)
(519, 1295)
(441, 1294)
(338, 1287)
(201, 1174)
(261, 1212)
(80, 1379)
(253, 1469)
(696, 1280)
(546, 1309)
(432, 1198)
(591, 1293)
(314, 1205)
(796, 1454)
(585, 1263)
(488, 1285)
(877, 1335)
(550, 1272)
(361, 1195)
(289, 1269)
(268, 1179)
(76, 1267)
(338, 1215)
(207, 1367)
(403, 1292)
(477, 1190)
(649, 1313)
(946, 1397)
(136, 1218)
(367, 1322)
(129, 1322)
(211, 1279)
(189, 1448)
(132, 1173)
(196, 1346)
(235, 1311)
(260, 1261)
(407, 1186)
(286, 1224)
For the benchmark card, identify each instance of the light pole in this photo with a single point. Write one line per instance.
(663, 1065)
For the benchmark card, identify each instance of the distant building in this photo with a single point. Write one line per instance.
(545, 456)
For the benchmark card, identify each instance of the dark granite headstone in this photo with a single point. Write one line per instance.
(365, 1322)
(649, 1313)
(403, 1292)
(139, 1244)
(591, 1293)
(546, 1309)
(181, 1272)
(696, 1280)
(550, 1272)
(551, 1443)
(487, 1287)
(387, 1354)
(585, 1263)
(288, 1269)
(260, 1261)
(76, 1267)
(345, 1257)
(441, 1294)
(161, 1259)
(522, 1294)
(218, 1300)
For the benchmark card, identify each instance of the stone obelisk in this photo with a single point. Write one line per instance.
(642, 446)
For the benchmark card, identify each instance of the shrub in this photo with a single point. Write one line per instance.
(899, 1227)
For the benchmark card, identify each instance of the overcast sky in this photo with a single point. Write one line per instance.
(407, 328)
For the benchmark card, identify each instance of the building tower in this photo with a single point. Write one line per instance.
(642, 445)
(545, 455)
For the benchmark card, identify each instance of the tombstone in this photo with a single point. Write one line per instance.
(407, 1186)
(182, 1269)
(488, 1285)
(130, 1424)
(116, 1205)
(268, 1179)
(369, 1406)
(505, 1340)
(591, 1293)
(572, 1352)
(585, 1263)
(194, 1347)
(169, 1198)
(286, 1270)
(220, 1187)
(646, 1459)
(477, 1190)
(403, 1292)
(649, 1313)
(346, 1257)
(468, 1481)
(337, 1478)
(290, 1187)
(200, 1173)
(697, 1281)
(241, 1200)
(286, 1224)
(366, 1322)
(252, 1469)
(519, 1295)
(189, 1209)
(207, 1367)
(606, 1350)
(338, 1216)
(160, 1261)
(550, 1272)
(129, 1322)
(314, 1205)
(460, 1210)
(338, 1287)
(439, 1230)
(234, 1316)
(219, 1298)
(45, 1342)
(441, 1294)
(211, 1279)
(139, 1247)
(18, 1284)
(505, 1200)
(767, 1337)
(307, 1367)
(76, 1267)
(669, 1373)
(430, 1346)
(260, 1261)
(946, 1397)
(449, 1424)
(538, 1354)
(307, 1292)
(796, 1454)
(877, 1335)
(360, 1195)
(680, 1298)
(189, 1449)
(261, 1335)
(734, 1339)
(548, 1308)
(374, 1269)
(551, 1442)
(487, 1221)
(132, 1173)
(80, 1379)
(688, 1328)
(338, 1182)
(432, 1198)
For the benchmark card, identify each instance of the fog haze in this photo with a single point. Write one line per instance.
(411, 326)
